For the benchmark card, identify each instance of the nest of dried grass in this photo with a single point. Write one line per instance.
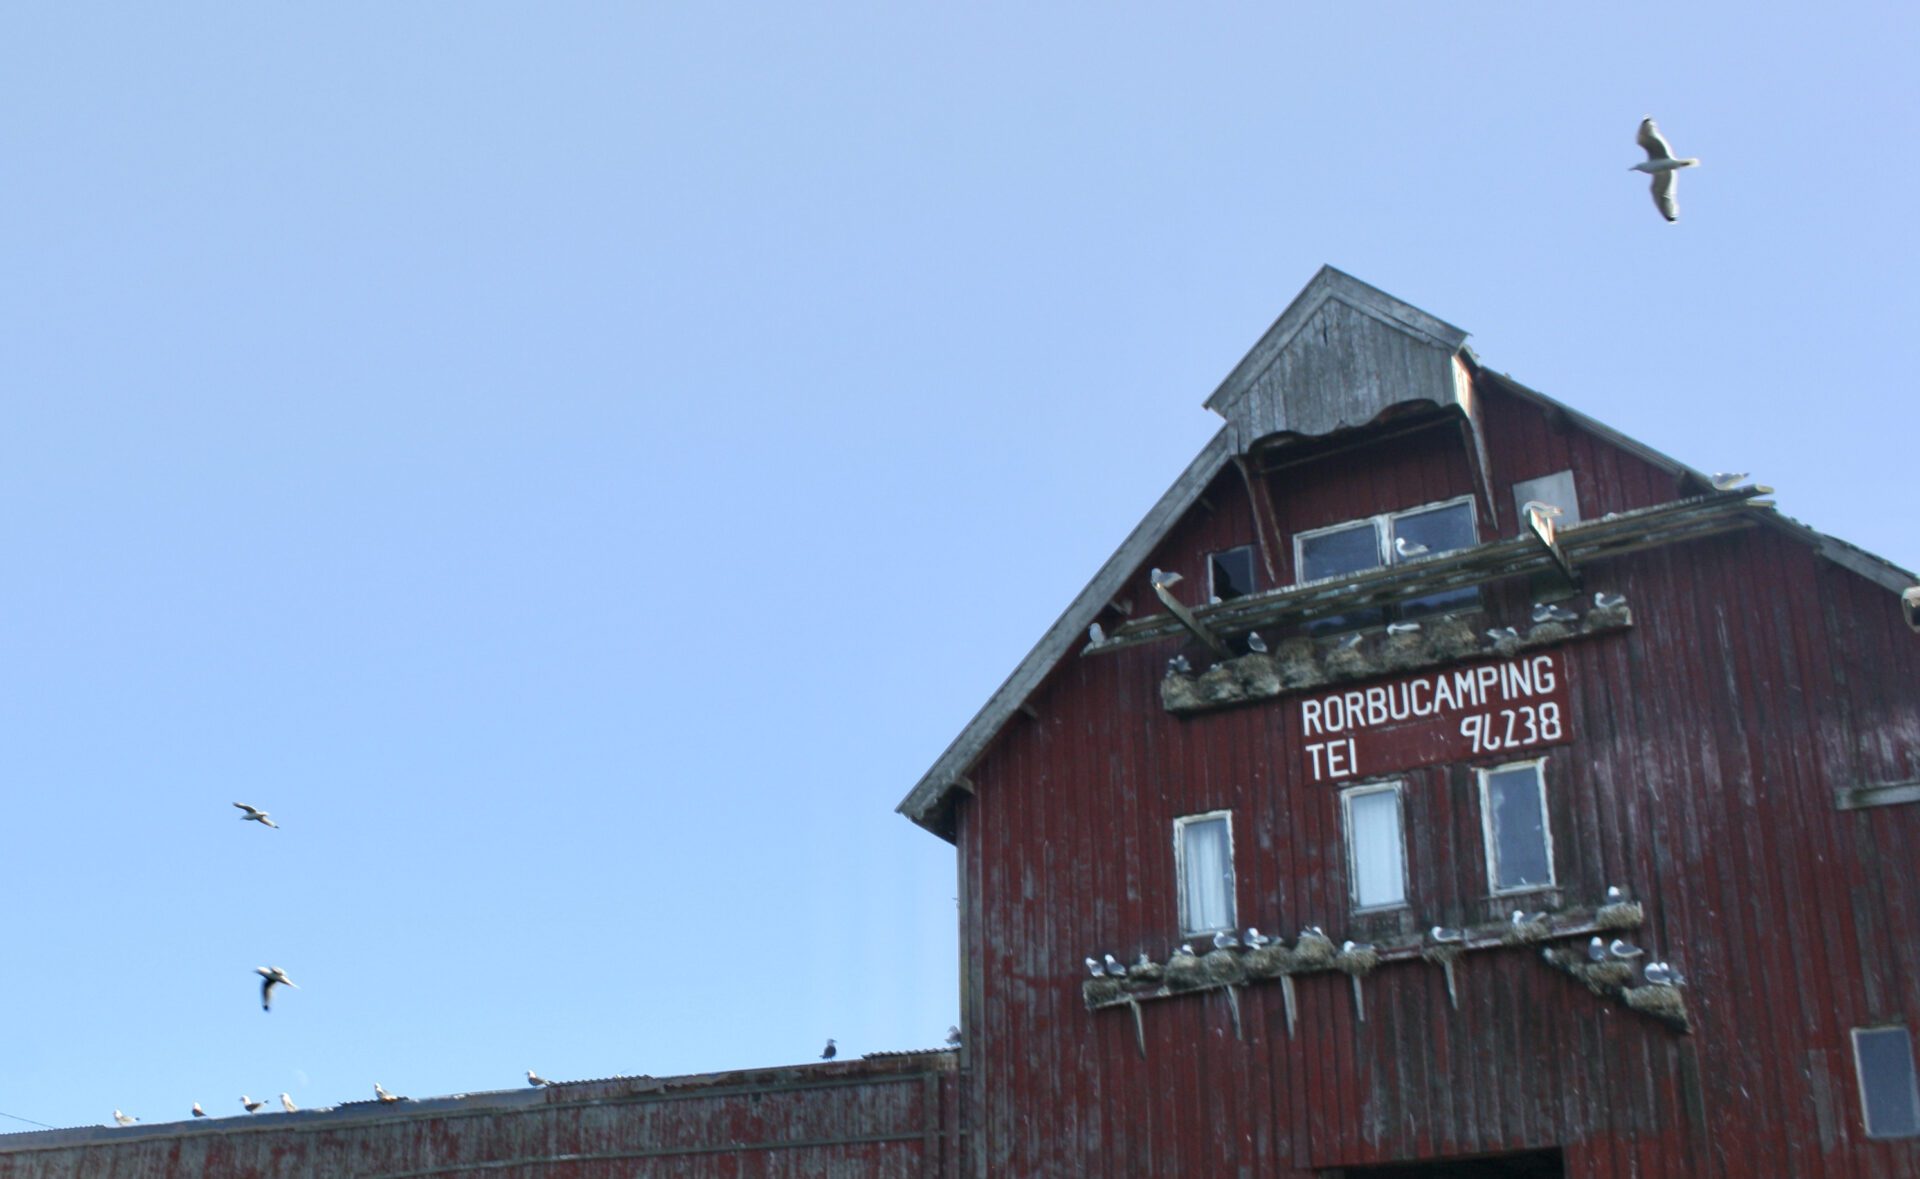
(1528, 932)
(1350, 663)
(1185, 973)
(1400, 652)
(1620, 915)
(1450, 638)
(1314, 951)
(1098, 990)
(1604, 977)
(1269, 961)
(1606, 618)
(1357, 962)
(1546, 632)
(1662, 1002)
(1146, 973)
(1223, 968)
(1443, 953)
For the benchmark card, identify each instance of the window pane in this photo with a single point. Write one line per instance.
(1884, 1057)
(1373, 835)
(1555, 489)
(1441, 530)
(1520, 856)
(1206, 887)
(1232, 573)
(1344, 550)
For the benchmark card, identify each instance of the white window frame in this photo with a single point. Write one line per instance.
(1860, 1077)
(1485, 773)
(1187, 929)
(1397, 788)
(1252, 568)
(1382, 534)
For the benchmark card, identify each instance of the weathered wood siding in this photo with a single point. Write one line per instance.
(1708, 746)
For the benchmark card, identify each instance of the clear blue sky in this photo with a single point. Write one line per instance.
(578, 466)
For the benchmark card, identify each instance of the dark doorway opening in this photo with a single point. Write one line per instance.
(1534, 1164)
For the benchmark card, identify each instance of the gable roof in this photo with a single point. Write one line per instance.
(1339, 356)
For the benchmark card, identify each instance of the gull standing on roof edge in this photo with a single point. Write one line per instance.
(536, 1080)
(256, 815)
(383, 1095)
(1662, 164)
(250, 1103)
(287, 1104)
(830, 1051)
(124, 1119)
(197, 1111)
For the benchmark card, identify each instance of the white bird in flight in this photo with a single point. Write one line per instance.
(273, 976)
(1662, 164)
(255, 814)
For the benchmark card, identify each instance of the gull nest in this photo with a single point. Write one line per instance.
(1145, 972)
(1661, 1002)
(1098, 990)
(1349, 663)
(1607, 617)
(1298, 668)
(1269, 961)
(1223, 968)
(1602, 978)
(1185, 973)
(1620, 915)
(1314, 951)
(1528, 932)
(1400, 652)
(1443, 953)
(1356, 962)
(1450, 638)
(1546, 632)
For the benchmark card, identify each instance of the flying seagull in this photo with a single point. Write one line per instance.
(385, 1096)
(197, 1111)
(250, 1103)
(1660, 162)
(123, 1119)
(287, 1104)
(256, 815)
(1408, 549)
(273, 976)
(830, 1051)
(536, 1080)
(953, 1036)
(1255, 643)
(1540, 507)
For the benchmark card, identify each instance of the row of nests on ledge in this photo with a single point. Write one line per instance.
(1315, 952)
(1304, 662)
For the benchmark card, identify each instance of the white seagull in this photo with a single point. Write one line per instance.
(1115, 967)
(536, 1080)
(1403, 628)
(1606, 601)
(385, 1096)
(1093, 967)
(1256, 939)
(1096, 634)
(256, 815)
(273, 976)
(1408, 549)
(124, 1119)
(1620, 949)
(1162, 577)
(1224, 940)
(1597, 949)
(1662, 975)
(1445, 935)
(1351, 641)
(1728, 480)
(250, 1103)
(1660, 162)
(197, 1111)
(1553, 612)
(1255, 643)
(1615, 894)
(287, 1104)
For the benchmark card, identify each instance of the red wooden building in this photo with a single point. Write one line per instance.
(1699, 703)
(1569, 782)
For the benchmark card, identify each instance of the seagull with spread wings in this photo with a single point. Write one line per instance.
(257, 815)
(273, 976)
(1662, 164)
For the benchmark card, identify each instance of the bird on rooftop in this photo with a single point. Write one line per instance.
(1402, 628)
(1445, 935)
(1728, 480)
(385, 1096)
(1623, 949)
(1161, 577)
(1255, 643)
(1606, 601)
(255, 814)
(953, 1036)
(1597, 949)
(1661, 974)
(1662, 164)
(1408, 549)
(250, 1103)
(830, 1051)
(1096, 634)
(1224, 940)
(287, 1104)
(197, 1111)
(274, 976)
(536, 1080)
(123, 1119)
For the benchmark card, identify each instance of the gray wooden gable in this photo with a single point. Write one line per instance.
(1340, 354)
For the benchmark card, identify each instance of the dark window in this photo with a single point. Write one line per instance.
(1884, 1059)
(1389, 539)
(1232, 573)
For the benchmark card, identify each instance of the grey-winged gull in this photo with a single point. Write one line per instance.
(1662, 164)
(273, 976)
(255, 814)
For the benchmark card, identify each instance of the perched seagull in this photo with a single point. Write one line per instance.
(1540, 507)
(256, 815)
(1093, 967)
(1256, 939)
(1553, 612)
(1096, 634)
(1662, 975)
(1407, 549)
(1446, 936)
(1728, 480)
(123, 1119)
(1224, 940)
(1660, 162)
(1179, 664)
(1597, 949)
(1185, 950)
(1314, 931)
(1255, 643)
(1403, 628)
(1501, 634)
(1606, 601)
(287, 1104)
(1351, 641)
(385, 1096)
(1115, 967)
(830, 1051)
(1615, 894)
(197, 1111)
(274, 976)
(1522, 917)
(1353, 947)
(536, 1080)
(250, 1103)
(953, 1036)
(1620, 949)
(1144, 960)
(1161, 577)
